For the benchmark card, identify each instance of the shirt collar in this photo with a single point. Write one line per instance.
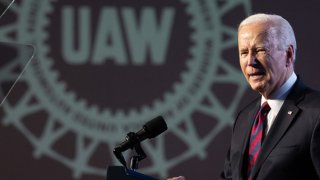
(283, 91)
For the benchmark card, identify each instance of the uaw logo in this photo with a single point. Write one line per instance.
(103, 68)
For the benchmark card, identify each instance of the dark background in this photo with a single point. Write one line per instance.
(17, 162)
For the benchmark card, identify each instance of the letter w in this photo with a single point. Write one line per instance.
(148, 34)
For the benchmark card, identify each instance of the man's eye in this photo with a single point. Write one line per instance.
(261, 50)
(243, 53)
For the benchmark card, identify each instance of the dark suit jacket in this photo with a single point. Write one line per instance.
(291, 149)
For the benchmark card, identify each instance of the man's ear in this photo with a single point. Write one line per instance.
(290, 55)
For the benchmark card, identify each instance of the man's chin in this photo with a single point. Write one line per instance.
(259, 87)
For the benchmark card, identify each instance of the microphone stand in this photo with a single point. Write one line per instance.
(137, 151)
(137, 155)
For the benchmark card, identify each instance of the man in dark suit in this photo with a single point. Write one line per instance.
(290, 142)
(277, 136)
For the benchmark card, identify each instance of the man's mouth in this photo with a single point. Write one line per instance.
(256, 75)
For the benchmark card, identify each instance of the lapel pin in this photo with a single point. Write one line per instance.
(289, 112)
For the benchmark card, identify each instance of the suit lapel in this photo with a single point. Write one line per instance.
(285, 117)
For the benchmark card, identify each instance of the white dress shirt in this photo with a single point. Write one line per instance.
(277, 99)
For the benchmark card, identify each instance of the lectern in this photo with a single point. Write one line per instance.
(121, 173)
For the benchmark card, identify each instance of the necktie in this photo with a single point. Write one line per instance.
(256, 137)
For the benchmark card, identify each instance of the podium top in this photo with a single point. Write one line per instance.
(119, 172)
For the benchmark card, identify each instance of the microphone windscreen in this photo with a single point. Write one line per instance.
(155, 127)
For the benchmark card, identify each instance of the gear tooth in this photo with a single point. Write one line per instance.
(145, 109)
(85, 104)
(156, 104)
(193, 23)
(72, 96)
(81, 102)
(176, 87)
(42, 36)
(106, 113)
(120, 115)
(193, 50)
(49, 9)
(45, 49)
(167, 96)
(49, 62)
(189, 64)
(99, 110)
(184, 76)
(46, 35)
(107, 119)
(133, 113)
(63, 85)
(94, 109)
(189, 10)
(194, 38)
(45, 23)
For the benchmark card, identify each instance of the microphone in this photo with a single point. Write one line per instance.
(149, 130)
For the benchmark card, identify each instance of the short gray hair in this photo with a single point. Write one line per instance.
(282, 27)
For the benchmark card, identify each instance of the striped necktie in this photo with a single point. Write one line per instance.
(256, 137)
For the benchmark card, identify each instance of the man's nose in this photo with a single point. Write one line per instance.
(252, 60)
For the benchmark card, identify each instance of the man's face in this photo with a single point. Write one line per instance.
(265, 66)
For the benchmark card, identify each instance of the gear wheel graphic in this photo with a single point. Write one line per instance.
(67, 113)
